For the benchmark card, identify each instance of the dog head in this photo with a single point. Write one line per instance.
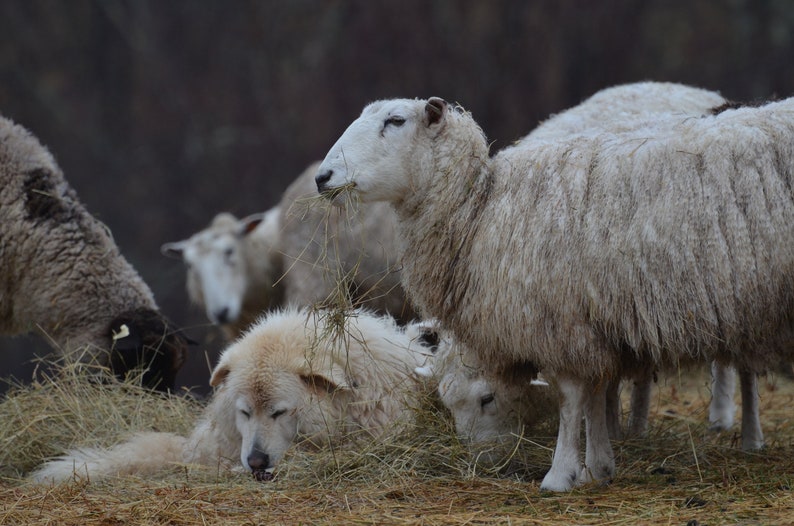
(276, 392)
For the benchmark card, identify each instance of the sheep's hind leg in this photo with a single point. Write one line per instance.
(640, 403)
(565, 466)
(722, 406)
(599, 460)
(614, 410)
(752, 435)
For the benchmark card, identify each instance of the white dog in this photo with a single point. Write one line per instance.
(296, 376)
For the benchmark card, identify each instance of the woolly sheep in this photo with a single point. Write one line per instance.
(588, 254)
(64, 278)
(610, 109)
(239, 268)
(464, 387)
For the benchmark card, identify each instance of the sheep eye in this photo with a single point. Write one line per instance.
(245, 413)
(394, 121)
(228, 252)
(487, 399)
(278, 413)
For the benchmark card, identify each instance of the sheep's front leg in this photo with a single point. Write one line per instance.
(599, 460)
(752, 435)
(565, 466)
(722, 406)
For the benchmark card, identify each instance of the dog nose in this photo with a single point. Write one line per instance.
(322, 179)
(222, 316)
(258, 460)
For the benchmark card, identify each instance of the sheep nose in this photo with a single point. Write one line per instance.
(222, 316)
(322, 179)
(258, 459)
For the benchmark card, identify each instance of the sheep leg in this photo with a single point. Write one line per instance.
(752, 435)
(640, 403)
(599, 460)
(722, 407)
(614, 410)
(565, 466)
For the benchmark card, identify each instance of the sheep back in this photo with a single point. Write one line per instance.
(669, 240)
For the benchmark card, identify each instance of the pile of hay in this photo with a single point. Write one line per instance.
(74, 407)
(680, 474)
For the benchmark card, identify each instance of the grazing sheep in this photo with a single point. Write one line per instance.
(232, 268)
(590, 254)
(63, 276)
(235, 267)
(489, 412)
(295, 377)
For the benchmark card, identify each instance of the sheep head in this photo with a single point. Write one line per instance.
(143, 339)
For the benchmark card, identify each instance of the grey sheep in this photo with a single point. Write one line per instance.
(64, 278)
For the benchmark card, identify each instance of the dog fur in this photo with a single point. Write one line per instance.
(296, 376)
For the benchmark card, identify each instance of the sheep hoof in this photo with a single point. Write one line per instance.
(559, 482)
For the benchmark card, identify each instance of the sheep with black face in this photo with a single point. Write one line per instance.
(64, 278)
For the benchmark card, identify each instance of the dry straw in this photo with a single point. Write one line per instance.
(679, 474)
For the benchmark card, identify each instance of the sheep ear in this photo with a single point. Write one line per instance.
(173, 250)
(249, 224)
(219, 375)
(435, 109)
(125, 335)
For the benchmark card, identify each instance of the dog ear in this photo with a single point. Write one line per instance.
(328, 381)
(319, 383)
(219, 374)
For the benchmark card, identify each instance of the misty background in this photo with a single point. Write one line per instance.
(163, 113)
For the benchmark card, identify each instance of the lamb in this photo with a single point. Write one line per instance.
(591, 254)
(64, 278)
(239, 268)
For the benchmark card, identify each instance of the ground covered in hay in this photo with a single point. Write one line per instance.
(680, 474)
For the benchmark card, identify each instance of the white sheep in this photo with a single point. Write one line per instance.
(584, 255)
(63, 276)
(489, 412)
(296, 253)
(612, 109)
(232, 268)
(488, 409)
